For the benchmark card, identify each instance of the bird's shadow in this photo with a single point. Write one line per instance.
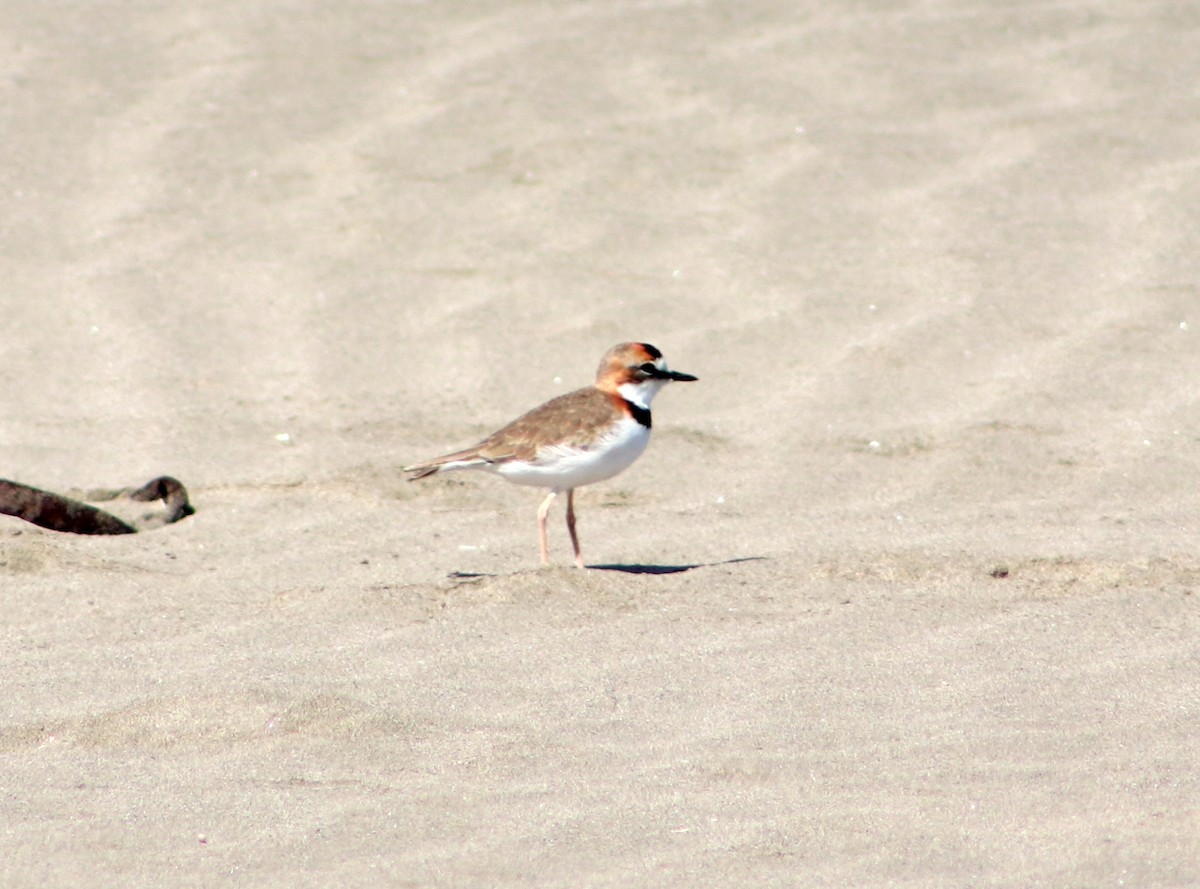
(474, 576)
(671, 569)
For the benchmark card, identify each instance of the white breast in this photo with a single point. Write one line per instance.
(561, 467)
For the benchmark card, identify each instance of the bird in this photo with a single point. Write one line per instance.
(576, 439)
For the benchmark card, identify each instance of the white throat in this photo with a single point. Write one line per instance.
(641, 393)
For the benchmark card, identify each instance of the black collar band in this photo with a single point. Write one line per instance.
(639, 413)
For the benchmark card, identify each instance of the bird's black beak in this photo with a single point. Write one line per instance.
(678, 376)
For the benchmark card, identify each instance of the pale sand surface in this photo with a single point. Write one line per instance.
(936, 266)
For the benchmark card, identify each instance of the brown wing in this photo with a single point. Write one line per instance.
(574, 418)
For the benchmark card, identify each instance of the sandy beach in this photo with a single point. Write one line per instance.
(902, 593)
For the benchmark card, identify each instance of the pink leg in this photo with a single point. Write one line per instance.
(543, 511)
(571, 527)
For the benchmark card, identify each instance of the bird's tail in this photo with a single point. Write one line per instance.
(458, 460)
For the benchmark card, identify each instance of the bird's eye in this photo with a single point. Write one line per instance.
(648, 368)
